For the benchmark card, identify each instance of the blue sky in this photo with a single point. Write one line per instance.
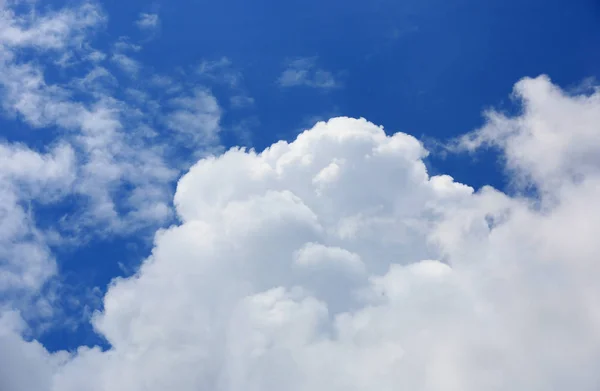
(136, 92)
(397, 63)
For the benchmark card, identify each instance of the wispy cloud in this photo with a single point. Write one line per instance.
(306, 72)
(241, 101)
(27, 175)
(148, 21)
(96, 56)
(126, 63)
(196, 117)
(55, 30)
(124, 44)
(105, 153)
(221, 71)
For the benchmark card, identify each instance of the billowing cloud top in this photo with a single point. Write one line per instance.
(335, 262)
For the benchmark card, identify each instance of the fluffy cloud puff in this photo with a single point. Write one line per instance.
(335, 262)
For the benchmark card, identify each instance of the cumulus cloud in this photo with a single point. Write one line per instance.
(331, 262)
(535, 146)
(305, 72)
(337, 262)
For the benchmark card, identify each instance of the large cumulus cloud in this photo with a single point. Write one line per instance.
(335, 262)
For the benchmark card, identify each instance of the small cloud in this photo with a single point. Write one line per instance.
(147, 21)
(98, 80)
(305, 72)
(220, 70)
(196, 116)
(126, 63)
(96, 56)
(122, 60)
(66, 60)
(165, 84)
(241, 101)
(123, 45)
(209, 67)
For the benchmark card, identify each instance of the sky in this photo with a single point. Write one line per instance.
(299, 195)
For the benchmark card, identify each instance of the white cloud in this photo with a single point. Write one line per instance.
(287, 273)
(223, 72)
(96, 56)
(20, 360)
(240, 101)
(97, 133)
(126, 63)
(56, 30)
(534, 145)
(305, 72)
(103, 157)
(332, 262)
(195, 117)
(147, 21)
(124, 45)
(25, 175)
(317, 256)
(103, 154)
(112, 154)
(97, 81)
(208, 67)
(220, 70)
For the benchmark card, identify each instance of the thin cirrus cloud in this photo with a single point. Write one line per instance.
(126, 63)
(303, 265)
(220, 70)
(196, 117)
(306, 72)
